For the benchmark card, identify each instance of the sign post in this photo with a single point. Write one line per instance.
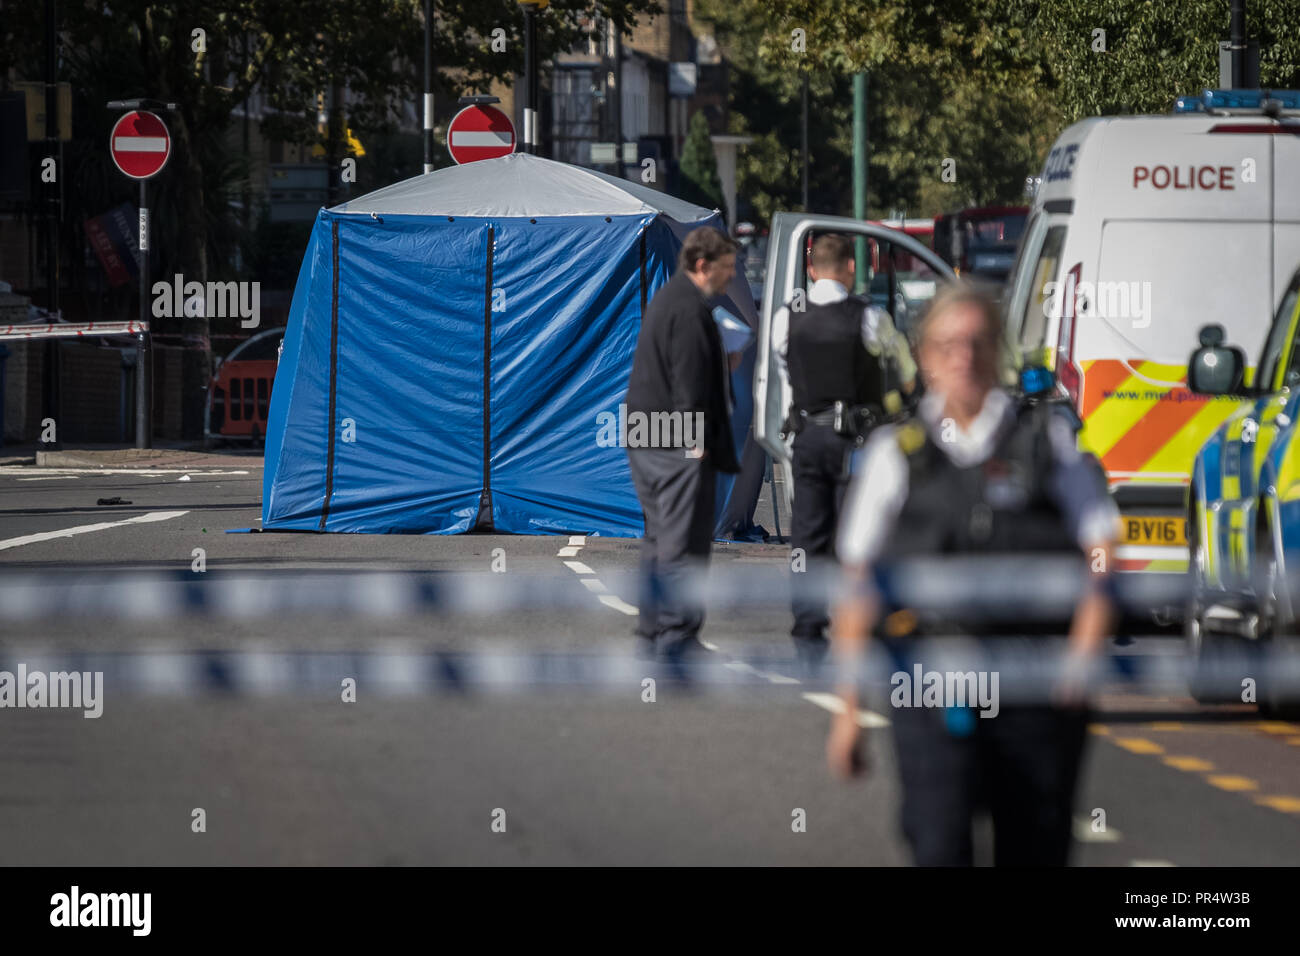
(140, 146)
(480, 132)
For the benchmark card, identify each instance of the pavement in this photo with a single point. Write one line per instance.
(420, 769)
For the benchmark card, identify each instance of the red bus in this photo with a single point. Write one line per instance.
(980, 241)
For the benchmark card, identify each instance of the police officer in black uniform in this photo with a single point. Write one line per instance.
(841, 355)
(976, 473)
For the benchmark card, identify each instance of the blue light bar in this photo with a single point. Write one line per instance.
(1217, 100)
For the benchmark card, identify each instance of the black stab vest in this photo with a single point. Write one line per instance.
(827, 359)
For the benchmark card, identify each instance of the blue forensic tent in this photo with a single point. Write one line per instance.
(453, 339)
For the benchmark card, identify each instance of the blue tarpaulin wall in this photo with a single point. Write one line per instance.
(444, 374)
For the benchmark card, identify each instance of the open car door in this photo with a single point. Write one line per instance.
(902, 276)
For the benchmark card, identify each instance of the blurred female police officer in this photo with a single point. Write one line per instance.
(976, 472)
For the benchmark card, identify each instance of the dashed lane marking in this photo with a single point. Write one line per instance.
(1285, 804)
(835, 705)
(1232, 782)
(1190, 764)
(618, 604)
(1277, 727)
(1150, 863)
(1139, 745)
(152, 516)
(587, 576)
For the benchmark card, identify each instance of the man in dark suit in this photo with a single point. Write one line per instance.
(680, 386)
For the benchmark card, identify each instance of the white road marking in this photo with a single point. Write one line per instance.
(1150, 863)
(835, 705)
(86, 528)
(1084, 833)
(618, 604)
(29, 470)
(594, 585)
(52, 478)
(743, 668)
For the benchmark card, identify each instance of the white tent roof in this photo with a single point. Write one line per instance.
(520, 185)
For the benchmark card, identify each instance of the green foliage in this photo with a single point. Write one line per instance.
(698, 174)
(1154, 51)
(288, 52)
(946, 81)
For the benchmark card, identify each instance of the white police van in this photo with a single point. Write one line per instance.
(1144, 229)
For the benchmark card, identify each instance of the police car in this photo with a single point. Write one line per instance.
(1144, 229)
(1244, 509)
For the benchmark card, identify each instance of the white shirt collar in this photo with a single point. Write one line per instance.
(826, 291)
(975, 443)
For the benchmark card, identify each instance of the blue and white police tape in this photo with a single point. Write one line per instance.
(1021, 671)
(1029, 587)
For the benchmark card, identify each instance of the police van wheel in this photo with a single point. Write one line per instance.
(1279, 693)
(1212, 660)
(1279, 680)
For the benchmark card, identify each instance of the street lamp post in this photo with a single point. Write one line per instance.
(428, 85)
(51, 392)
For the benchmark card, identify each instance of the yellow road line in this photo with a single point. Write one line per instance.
(1232, 782)
(1190, 764)
(1277, 727)
(1285, 804)
(1139, 745)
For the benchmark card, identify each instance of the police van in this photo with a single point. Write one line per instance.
(1144, 229)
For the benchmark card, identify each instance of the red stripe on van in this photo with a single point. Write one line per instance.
(1100, 377)
(1150, 434)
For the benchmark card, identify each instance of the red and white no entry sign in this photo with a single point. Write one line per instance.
(140, 144)
(480, 132)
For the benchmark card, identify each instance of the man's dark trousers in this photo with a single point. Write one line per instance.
(820, 473)
(677, 496)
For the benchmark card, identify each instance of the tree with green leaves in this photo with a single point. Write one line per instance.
(211, 58)
(947, 81)
(697, 177)
(1111, 58)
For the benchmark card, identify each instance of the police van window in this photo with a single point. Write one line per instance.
(1281, 339)
(1033, 319)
